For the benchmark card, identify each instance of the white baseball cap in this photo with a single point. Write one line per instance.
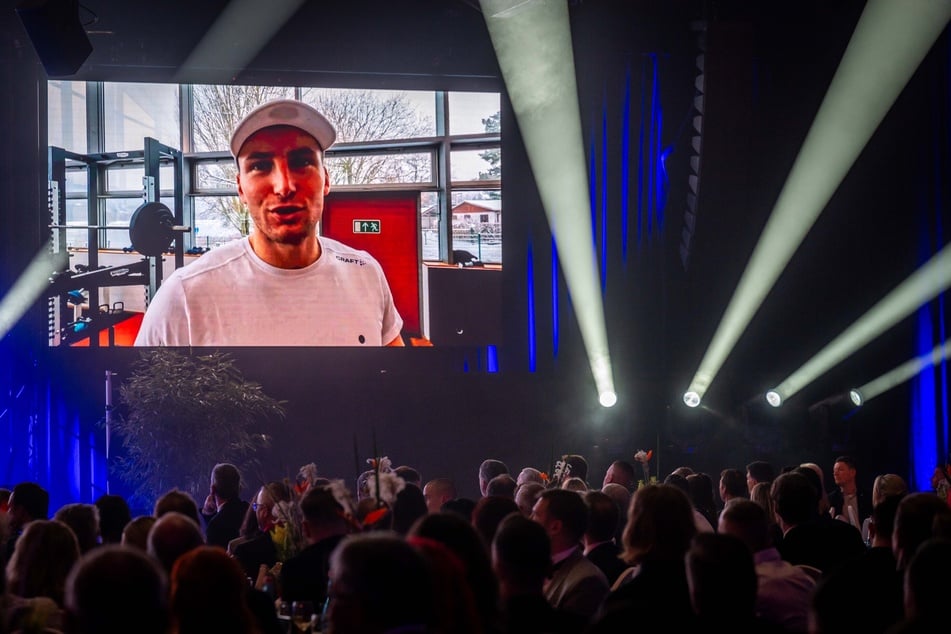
(289, 112)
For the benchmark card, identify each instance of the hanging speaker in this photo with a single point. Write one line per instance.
(57, 34)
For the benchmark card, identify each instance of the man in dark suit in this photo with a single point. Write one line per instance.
(576, 585)
(304, 577)
(847, 495)
(599, 546)
(224, 511)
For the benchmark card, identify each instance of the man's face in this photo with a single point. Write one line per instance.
(282, 180)
(262, 509)
(843, 474)
(540, 514)
(750, 482)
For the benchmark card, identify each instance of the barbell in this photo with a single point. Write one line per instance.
(152, 228)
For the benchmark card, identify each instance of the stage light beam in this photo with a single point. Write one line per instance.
(889, 42)
(29, 286)
(918, 288)
(904, 372)
(532, 41)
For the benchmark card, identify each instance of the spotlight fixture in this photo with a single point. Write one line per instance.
(856, 397)
(774, 398)
(608, 399)
(692, 399)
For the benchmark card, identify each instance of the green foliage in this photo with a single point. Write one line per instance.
(183, 415)
(492, 157)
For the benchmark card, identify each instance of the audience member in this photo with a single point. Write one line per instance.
(501, 486)
(380, 584)
(576, 585)
(599, 545)
(659, 528)
(463, 507)
(409, 475)
(760, 494)
(209, 593)
(437, 492)
(36, 575)
(759, 471)
(458, 534)
(679, 481)
(488, 470)
(887, 485)
(574, 484)
(622, 473)
(304, 577)
(410, 505)
(178, 502)
(83, 520)
(28, 501)
(621, 497)
(927, 588)
(260, 549)
(529, 474)
(732, 486)
(115, 590)
(784, 590)
(114, 515)
(872, 581)
(920, 517)
(172, 536)
(453, 602)
(577, 467)
(847, 501)
(526, 496)
(700, 490)
(224, 510)
(521, 559)
(136, 532)
(489, 512)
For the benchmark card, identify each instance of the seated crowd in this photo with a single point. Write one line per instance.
(750, 551)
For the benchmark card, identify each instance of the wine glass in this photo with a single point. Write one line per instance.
(301, 614)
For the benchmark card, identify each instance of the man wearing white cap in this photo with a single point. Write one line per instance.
(283, 285)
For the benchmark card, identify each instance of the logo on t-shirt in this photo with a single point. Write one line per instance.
(346, 260)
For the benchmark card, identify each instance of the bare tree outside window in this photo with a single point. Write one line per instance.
(363, 115)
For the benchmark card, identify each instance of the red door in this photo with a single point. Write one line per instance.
(386, 225)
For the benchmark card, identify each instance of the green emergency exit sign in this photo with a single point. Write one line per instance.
(366, 226)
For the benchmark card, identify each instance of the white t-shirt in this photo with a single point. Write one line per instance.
(230, 297)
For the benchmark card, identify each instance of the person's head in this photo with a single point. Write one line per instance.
(881, 526)
(804, 468)
(660, 525)
(620, 472)
(574, 484)
(920, 517)
(759, 471)
(282, 178)
(28, 501)
(526, 495)
(603, 517)
(816, 482)
(42, 558)
(379, 583)
(176, 501)
(488, 470)
(926, 585)
(578, 465)
(172, 536)
(521, 555)
(437, 492)
(83, 520)
(114, 514)
(136, 532)
(678, 481)
(208, 593)
(225, 482)
(265, 499)
(732, 484)
(700, 487)
(721, 578)
(489, 511)
(761, 495)
(114, 589)
(323, 516)
(795, 499)
(501, 486)
(564, 516)
(409, 475)
(461, 507)
(887, 485)
(409, 506)
(747, 521)
(529, 474)
(843, 472)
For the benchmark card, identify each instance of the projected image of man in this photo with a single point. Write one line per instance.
(283, 285)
